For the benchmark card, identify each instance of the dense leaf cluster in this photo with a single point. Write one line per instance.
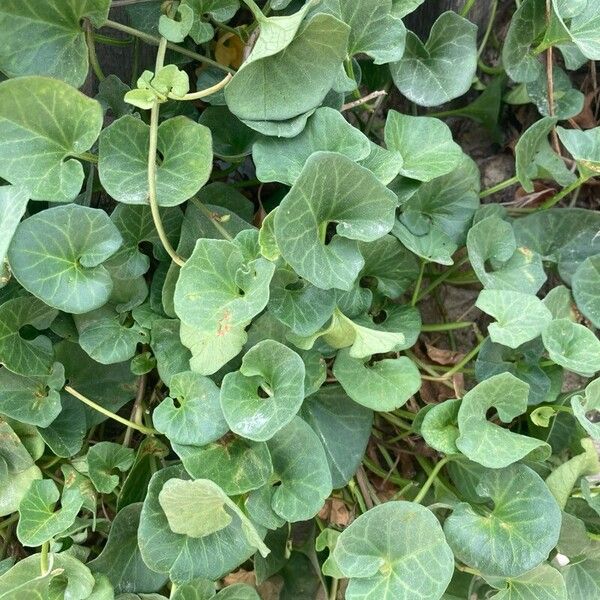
(210, 307)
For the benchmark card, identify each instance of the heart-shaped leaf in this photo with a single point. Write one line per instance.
(514, 536)
(343, 427)
(185, 146)
(519, 317)
(381, 385)
(425, 145)
(440, 426)
(236, 464)
(48, 39)
(44, 123)
(65, 270)
(165, 551)
(486, 443)
(586, 283)
(404, 542)
(103, 459)
(332, 189)
(266, 393)
(18, 354)
(441, 69)
(192, 414)
(326, 131)
(38, 522)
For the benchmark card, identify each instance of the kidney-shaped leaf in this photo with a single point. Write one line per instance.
(488, 444)
(514, 536)
(441, 69)
(43, 124)
(266, 393)
(186, 148)
(332, 189)
(47, 38)
(395, 551)
(57, 255)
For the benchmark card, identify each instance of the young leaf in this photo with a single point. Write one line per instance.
(382, 385)
(586, 283)
(434, 220)
(192, 413)
(120, 559)
(165, 551)
(48, 38)
(343, 427)
(425, 145)
(304, 484)
(185, 146)
(394, 551)
(301, 58)
(18, 354)
(266, 393)
(572, 346)
(486, 443)
(513, 537)
(103, 459)
(235, 464)
(44, 123)
(519, 317)
(442, 68)
(220, 10)
(491, 243)
(326, 131)
(332, 189)
(587, 405)
(440, 426)
(38, 522)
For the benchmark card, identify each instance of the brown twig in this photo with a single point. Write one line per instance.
(364, 99)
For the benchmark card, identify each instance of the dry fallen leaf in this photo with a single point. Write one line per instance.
(442, 356)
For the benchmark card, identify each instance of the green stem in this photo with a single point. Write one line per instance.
(489, 70)
(213, 219)
(498, 188)
(381, 473)
(8, 522)
(466, 9)
(465, 361)
(441, 278)
(434, 473)
(430, 327)
(108, 413)
(89, 40)
(88, 157)
(334, 589)
(350, 72)
(357, 495)
(206, 92)
(245, 183)
(254, 9)
(155, 41)
(488, 30)
(44, 562)
(415, 295)
(405, 414)
(558, 197)
(109, 41)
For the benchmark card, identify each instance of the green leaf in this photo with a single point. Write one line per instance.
(185, 146)
(198, 589)
(584, 146)
(48, 39)
(165, 551)
(374, 28)
(382, 385)
(31, 400)
(518, 55)
(218, 291)
(120, 559)
(304, 484)
(568, 102)
(586, 283)
(44, 125)
(582, 578)
(38, 522)
(542, 583)
(65, 269)
(425, 145)
(192, 413)
(18, 354)
(491, 243)
(235, 464)
(383, 163)
(332, 189)
(266, 393)
(104, 460)
(401, 8)
(514, 536)
(65, 435)
(326, 131)
(519, 317)
(13, 454)
(442, 68)
(14, 486)
(440, 426)
(175, 29)
(238, 591)
(486, 443)
(395, 551)
(13, 203)
(572, 346)
(171, 355)
(583, 30)
(434, 221)
(343, 427)
(110, 95)
(25, 578)
(584, 408)
(302, 58)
